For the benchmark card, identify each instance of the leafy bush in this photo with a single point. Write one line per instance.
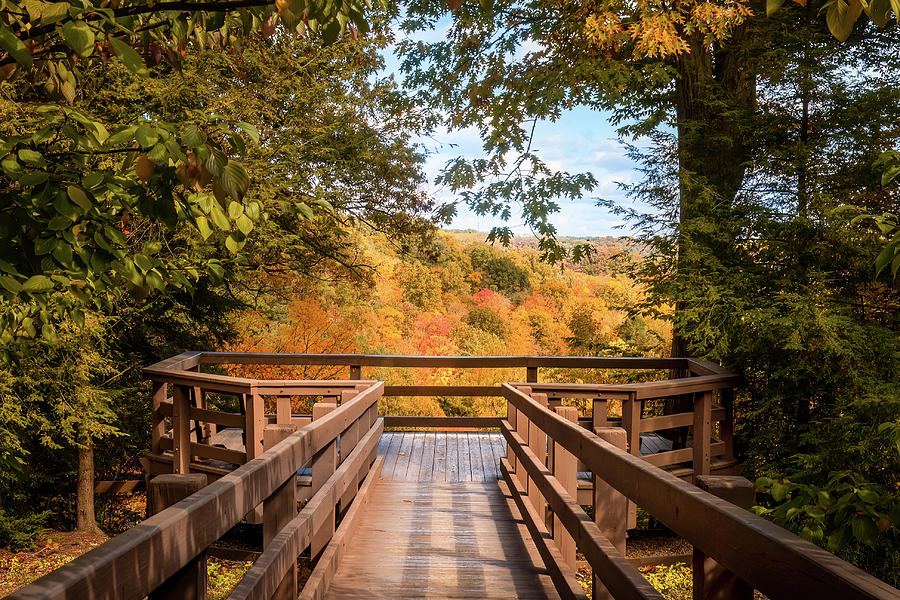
(19, 533)
(850, 516)
(674, 582)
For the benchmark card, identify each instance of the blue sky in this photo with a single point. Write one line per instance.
(582, 140)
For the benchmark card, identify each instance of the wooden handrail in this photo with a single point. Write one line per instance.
(170, 539)
(771, 559)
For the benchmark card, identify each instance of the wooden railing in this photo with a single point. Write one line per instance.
(192, 422)
(164, 556)
(735, 547)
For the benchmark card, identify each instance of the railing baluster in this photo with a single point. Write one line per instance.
(522, 427)
(702, 433)
(279, 509)
(181, 432)
(565, 470)
(189, 583)
(324, 464)
(158, 422)
(537, 441)
(631, 421)
(610, 507)
(256, 421)
(712, 581)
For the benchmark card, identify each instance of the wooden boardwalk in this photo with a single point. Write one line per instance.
(439, 524)
(424, 539)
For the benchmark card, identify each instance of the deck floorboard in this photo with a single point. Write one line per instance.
(423, 539)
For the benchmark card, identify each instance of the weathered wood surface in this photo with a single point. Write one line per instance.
(424, 456)
(440, 540)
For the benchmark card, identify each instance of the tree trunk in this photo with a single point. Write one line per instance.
(714, 89)
(85, 519)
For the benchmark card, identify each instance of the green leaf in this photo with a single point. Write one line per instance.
(146, 136)
(772, 6)
(203, 227)
(77, 195)
(331, 32)
(890, 174)
(129, 57)
(232, 244)
(235, 180)
(59, 222)
(869, 496)
(864, 529)
(305, 210)
(159, 155)
(144, 263)
(80, 37)
(37, 284)
(779, 491)
(155, 280)
(33, 179)
(77, 317)
(841, 16)
(10, 284)
(192, 137)
(885, 257)
(14, 46)
(250, 130)
(31, 157)
(244, 224)
(235, 210)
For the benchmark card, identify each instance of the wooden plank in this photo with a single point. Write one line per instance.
(448, 362)
(218, 417)
(181, 433)
(426, 470)
(415, 456)
(391, 456)
(444, 390)
(564, 578)
(702, 434)
(673, 457)
(475, 458)
(677, 420)
(452, 458)
(490, 462)
(773, 560)
(122, 486)
(403, 458)
(235, 457)
(439, 470)
(465, 460)
(443, 422)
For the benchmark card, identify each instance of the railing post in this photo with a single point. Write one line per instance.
(631, 421)
(531, 374)
(355, 372)
(565, 470)
(598, 413)
(189, 583)
(522, 428)
(181, 429)
(711, 580)
(726, 427)
(324, 464)
(511, 417)
(282, 410)
(702, 433)
(537, 441)
(349, 438)
(610, 507)
(158, 422)
(279, 509)
(255, 422)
